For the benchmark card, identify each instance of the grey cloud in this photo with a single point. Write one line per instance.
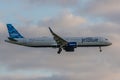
(65, 19)
(106, 28)
(62, 22)
(81, 25)
(108, 9)
(21, 60)
(75, 65)
(55, 2)
(54, 77)
(84, 63)
(48, 2)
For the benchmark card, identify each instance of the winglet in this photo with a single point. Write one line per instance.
(51, 31)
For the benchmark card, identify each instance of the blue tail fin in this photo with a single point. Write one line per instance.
(13, 33)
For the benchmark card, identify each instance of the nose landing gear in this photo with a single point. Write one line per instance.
(100, 49)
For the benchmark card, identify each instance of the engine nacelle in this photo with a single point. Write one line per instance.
(70, 46)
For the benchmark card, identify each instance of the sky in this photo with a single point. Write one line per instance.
(67, 18)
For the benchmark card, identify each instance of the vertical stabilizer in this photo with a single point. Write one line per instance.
(13, 33)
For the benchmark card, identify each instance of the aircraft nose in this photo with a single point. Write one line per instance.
(109, 43)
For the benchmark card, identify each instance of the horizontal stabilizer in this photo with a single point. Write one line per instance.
(12, 39)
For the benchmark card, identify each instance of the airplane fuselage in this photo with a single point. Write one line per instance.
(49, 42)
(68, 44)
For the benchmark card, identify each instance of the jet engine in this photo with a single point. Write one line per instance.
(70, 46)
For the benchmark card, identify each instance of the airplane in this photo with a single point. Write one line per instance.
(68, 43)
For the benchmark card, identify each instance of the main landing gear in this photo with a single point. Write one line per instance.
(59, 51)
(100, 49)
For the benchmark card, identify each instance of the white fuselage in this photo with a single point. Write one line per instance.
(50, 42)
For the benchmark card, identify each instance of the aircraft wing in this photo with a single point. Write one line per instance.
(60, 41)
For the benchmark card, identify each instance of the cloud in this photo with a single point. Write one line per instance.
(61, 3)
(111, 75)
(105, 28)
(55, 2)
(55, 77)
(103, 7)
(108, 9)
(66, 19)
(75, 65)
(62, 22)
(25, 63)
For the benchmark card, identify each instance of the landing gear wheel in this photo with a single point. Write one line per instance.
(100, 49)
(59, 51)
